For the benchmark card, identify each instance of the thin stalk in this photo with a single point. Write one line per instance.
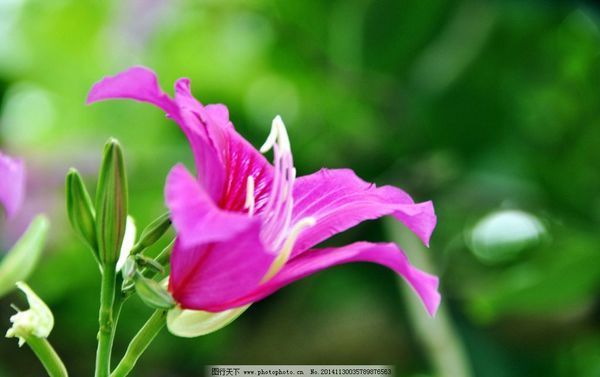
(139, 343)
(438, 335)
(116, 312)
(162, 258)
(106, 323)
(47, 355)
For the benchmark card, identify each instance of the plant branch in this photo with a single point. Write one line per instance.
(139, 343)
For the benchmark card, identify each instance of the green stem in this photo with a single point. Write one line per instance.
(47, 355)
(105, 332)
(116, 312)
(140, 342)
(437, 335)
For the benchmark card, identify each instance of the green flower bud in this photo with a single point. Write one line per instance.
(24, 255)
(111, 203)
(152, 233)
(37, 321)
(153, 294)
(81, 210)
(192, 323)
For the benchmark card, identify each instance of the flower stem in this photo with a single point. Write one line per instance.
(140, 342)
(105, 332)
(47, 355)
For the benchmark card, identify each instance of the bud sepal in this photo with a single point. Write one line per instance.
(80, 210)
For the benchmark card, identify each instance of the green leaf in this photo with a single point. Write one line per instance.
(23, 257)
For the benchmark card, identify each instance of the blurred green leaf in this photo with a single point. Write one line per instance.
(24, 256)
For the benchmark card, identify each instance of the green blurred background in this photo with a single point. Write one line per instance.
(489, 108)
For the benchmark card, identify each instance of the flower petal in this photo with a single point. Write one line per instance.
(195, 215)
(137, 83)
(205, 276)
(386, 254)
(12, 184)
(339, 200)
(141, 84)
(192, 323)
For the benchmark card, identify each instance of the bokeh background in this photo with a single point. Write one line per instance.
(489, 108)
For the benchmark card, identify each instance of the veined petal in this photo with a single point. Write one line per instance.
(338, 200)
(386, 254)
(12, 184)
(205, 276)
(238, 158)
(195, 215)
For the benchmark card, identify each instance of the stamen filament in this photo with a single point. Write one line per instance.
(284, 254)
(250, 203)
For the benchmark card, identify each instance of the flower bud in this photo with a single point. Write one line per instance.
(153, 294)
(192, 323)
(37, 320)
(81, 210)
(24, 255)
(111, 203)
(152, 233)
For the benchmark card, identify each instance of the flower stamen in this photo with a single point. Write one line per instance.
(284, 254)
(250, 202)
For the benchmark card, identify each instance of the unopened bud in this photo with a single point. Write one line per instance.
(111, 203)
(152, 233)
(81, 210)
(153, 294)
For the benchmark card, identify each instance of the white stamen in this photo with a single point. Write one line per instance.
(288, 246)
(277, 135)
(250, 203)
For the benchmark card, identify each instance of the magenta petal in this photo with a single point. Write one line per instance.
(137, 83)
(206, 276)
(386, 254)
(195, 215)
(12, 184)
(339, 200)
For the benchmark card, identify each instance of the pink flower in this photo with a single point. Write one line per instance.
(246, 228)
(12, 184)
